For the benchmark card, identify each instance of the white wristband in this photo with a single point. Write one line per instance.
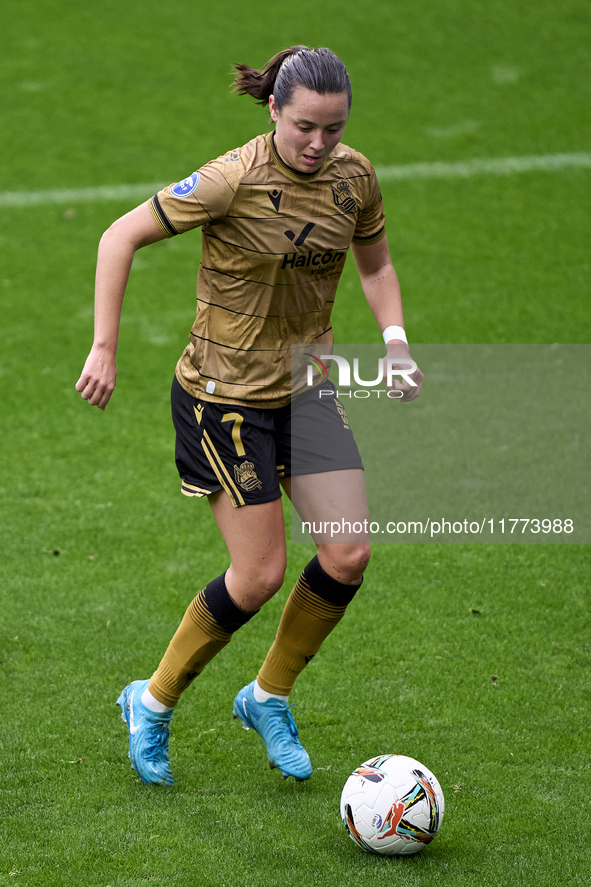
(394, 332)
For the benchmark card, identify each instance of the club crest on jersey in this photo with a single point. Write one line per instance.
(186, 187)
(343, 198)
(246, 477)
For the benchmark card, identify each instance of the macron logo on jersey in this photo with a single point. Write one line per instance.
(186, 187)
(275, 198)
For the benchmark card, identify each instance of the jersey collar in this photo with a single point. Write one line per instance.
(288, 170)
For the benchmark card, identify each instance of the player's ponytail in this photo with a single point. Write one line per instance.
(317, 69)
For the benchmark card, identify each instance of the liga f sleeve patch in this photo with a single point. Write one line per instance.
(201, 198)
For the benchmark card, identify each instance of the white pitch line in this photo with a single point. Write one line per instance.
(80, 195)
(485, 166)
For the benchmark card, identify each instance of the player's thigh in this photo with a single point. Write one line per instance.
(255, 538)
(254, 534)
(332, 506)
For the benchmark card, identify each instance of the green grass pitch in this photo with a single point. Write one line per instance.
(99, 553)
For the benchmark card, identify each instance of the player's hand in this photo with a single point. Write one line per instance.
(398, 358)
(98, 378)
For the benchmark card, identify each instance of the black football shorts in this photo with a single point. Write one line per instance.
(246, 451)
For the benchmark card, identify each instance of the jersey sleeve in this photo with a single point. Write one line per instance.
(199, 199)
(371, 220)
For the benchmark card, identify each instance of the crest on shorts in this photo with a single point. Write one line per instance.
(246, 477)
(343, 197)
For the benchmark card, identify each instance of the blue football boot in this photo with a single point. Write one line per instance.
(274, 723)
(149, 733)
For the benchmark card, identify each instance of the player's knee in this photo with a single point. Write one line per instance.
(264, 581)
(356, 561)
(271, 577)
(347, 563)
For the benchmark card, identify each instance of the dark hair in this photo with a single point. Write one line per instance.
(317, 69)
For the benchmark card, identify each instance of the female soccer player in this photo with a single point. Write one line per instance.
(277, 216)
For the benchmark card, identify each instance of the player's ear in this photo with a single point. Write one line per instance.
(273, 108)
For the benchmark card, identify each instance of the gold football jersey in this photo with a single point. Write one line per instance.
(274, 243)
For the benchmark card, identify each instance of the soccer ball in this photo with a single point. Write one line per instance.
(392, 805)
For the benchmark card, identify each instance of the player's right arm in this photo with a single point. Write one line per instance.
(115, 255)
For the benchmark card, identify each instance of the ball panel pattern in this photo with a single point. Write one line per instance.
(392, 805)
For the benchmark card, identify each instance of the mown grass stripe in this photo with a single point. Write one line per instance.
(491, 166)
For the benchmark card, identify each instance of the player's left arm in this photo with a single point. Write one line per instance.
(382, 291)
